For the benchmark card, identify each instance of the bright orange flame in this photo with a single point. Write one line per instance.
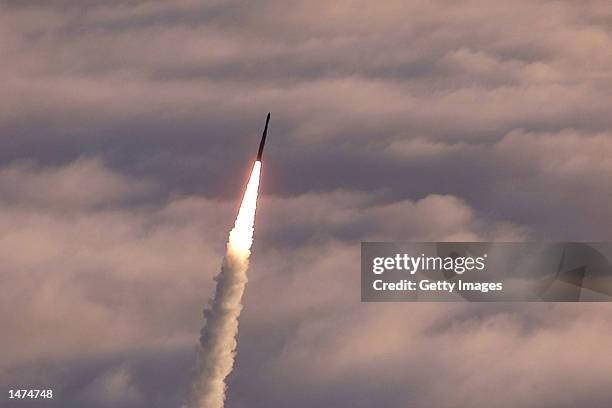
(241, 237)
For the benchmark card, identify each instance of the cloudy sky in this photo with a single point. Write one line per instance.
(127, 130)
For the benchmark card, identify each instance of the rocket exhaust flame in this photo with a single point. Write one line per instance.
(241, 236)
(218, 337)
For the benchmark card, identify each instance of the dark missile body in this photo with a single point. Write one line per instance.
(263, 138)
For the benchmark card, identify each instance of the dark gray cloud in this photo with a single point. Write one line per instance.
(126, 133)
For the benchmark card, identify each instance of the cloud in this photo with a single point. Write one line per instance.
(559, 180)
(114, 388)
(109, 276)
(90, 268)
(127, 129)
(84, 183)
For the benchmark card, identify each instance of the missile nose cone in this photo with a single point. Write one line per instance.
(263, 138)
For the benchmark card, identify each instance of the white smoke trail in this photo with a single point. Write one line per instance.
(218, 338)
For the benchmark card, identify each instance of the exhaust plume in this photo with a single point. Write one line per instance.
(218, 337)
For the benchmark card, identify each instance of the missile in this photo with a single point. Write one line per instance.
(263, 138)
